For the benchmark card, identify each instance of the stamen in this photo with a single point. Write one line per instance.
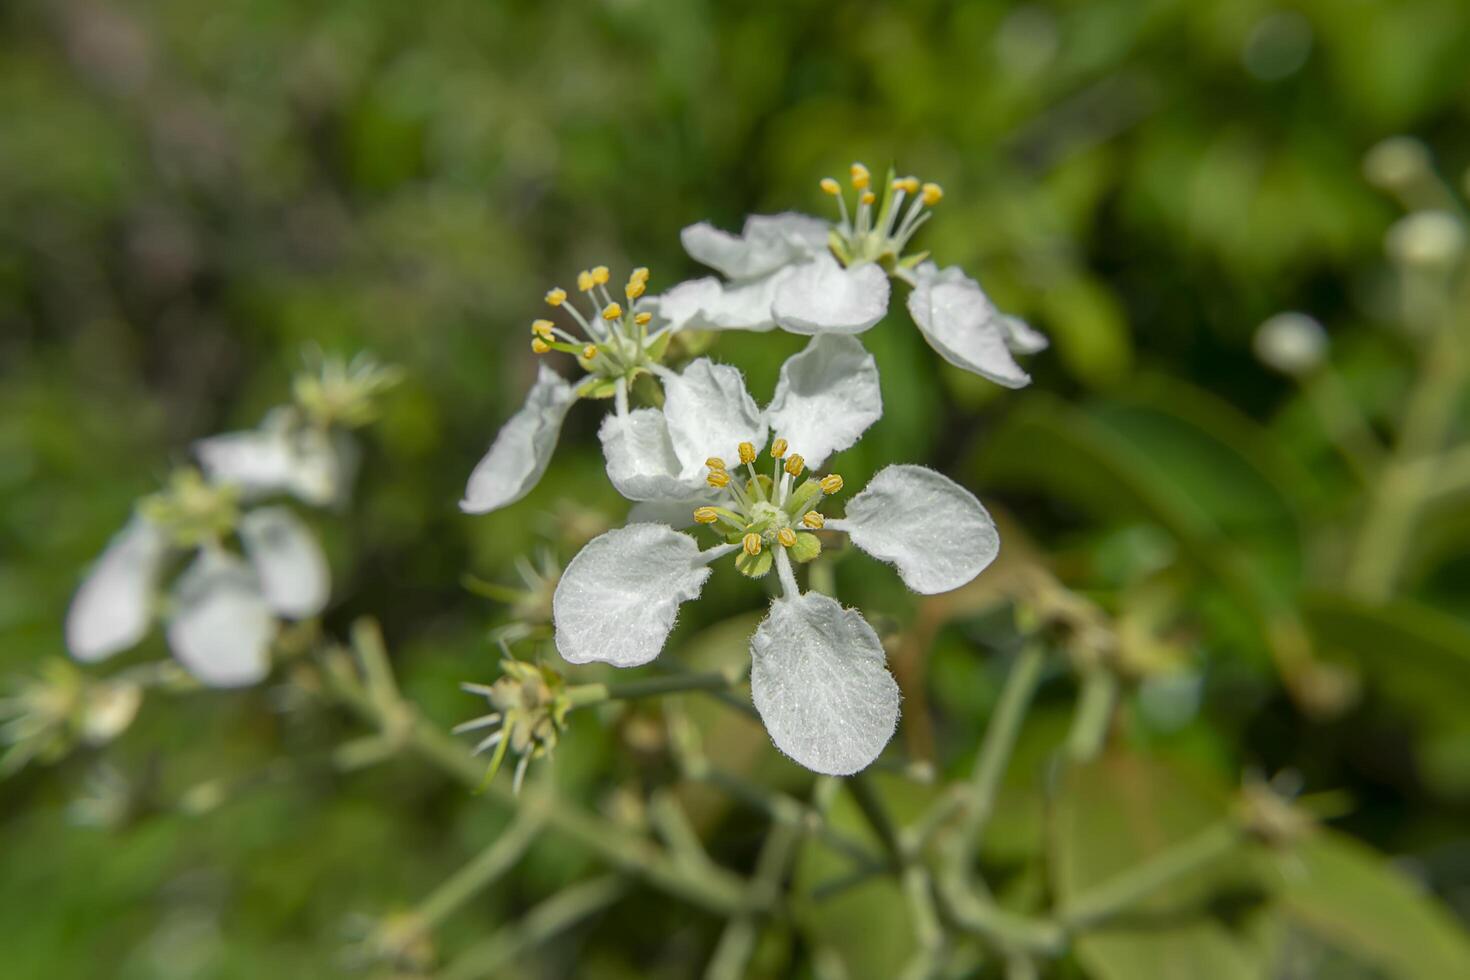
(639, 274)
(715, 463)
(706, 515)
(778, 448)
(589, 352)
(751, 543)
(786, 536)
(747, 452)
(584, 281)
(642, 318)
(634, 289)
(539, 346)
(830, 186)
(867, 198)
(860, 176)
(933, 193)
(831, 483)
(796, 464)
(612, 311)
(600, 275)
(542, 329)
(556, 297)
(718, 479)
(909, 185)
(813, 520)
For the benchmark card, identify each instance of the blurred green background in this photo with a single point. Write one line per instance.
(191, 194)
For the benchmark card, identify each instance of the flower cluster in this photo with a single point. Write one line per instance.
(690, 459)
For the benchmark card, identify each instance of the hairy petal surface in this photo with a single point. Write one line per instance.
(821, 296)
(826, 397)
(618, 598)
(768, 242)
(641, 462)
(708, 304)
(821, 684)
(966, 329)
(222, 627)
(709, 413)
(929, 527)
(114, 606)
(522, 449)
(294, 578)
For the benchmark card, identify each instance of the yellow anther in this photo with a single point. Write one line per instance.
(795, 464)
(860, 176)
(589, 352)
(584, 281)
(639, 274)
(556, 296)
(778, 449)
(539, 346)
(612, 311)
(868, 197)
(909, 185)
(705, 515)
(642, 318)
(933, 193)
(813, 520)
(542, 329)
(634, 289)
(715, 463)
(747, 452)
(786, 536)
(831, 483)
(751, 543)
(600, 275)
(830, 186)
(718, 479)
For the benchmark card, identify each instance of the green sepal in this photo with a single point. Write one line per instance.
(807, 547)
(656, 350)
(647, 389)
(912, 261)
(597, 388)
(838, 245)
(755, 566)
(801, 498)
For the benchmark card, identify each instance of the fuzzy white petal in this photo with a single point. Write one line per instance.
(929, 527)
(966, 329)
(826, 398)
(821, 684)
(641, 462)
(707, 304)
(277, 457)
(767, 243)
(709, 413)
(821, 296)
(522, 449)
(618, 598)
(114, 606)
(294, 577)
(222, 627)
(1021, 337)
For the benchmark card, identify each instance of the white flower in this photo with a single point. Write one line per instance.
(616, 347)
(810, 276)
(818, 677)
(223, 612)
(281, 456)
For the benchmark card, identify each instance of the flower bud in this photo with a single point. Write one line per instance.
(1429, 240)
(1292, 343)
(1397, 163)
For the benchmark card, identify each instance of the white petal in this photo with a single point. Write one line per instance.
(709, 413)
(274, 459)
(674, 513)
(706, 304)
(826, 398)
(641, 462)
(821, 296)
(222, 627)
(767, 243)
(618, 598)
(1021, 337)
(522, 450)
(929, 527)
(113, 608)
(293, 571)
(820, 682)
(960, 323)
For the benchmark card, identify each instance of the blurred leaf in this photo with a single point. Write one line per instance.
(1088, 325)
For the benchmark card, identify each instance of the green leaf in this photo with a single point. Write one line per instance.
(1112, 815)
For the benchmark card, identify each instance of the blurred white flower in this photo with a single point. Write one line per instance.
(811, 276)
(818, 678)
(1292, 343)
(1427, 240)
(44, 717)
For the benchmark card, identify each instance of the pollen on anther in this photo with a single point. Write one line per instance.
(860, 176)
(830, 186)
(813, 520)
(539, 346)
(639, 274)
(795, 464)
(584, 281)
(868, 197)
(718, 479)
(715, 463)
(589, 352)
(634, 289)
(600, 275)
(612, 312)
(909, 185)
(751, 543)
(642, 318)
(706, 515)
(831, 483)
(786, 536)
(747, 452)
(542, 329)
(556, 297)
(778, 448)
(933, 193)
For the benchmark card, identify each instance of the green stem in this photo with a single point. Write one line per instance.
(1094, 714)
(545, 921)
(582, 695)
(1137, 883)
(928, 930)
(481, 872)
(1002, 930)
(870, 804)
(1344, 424)
(737, 942)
